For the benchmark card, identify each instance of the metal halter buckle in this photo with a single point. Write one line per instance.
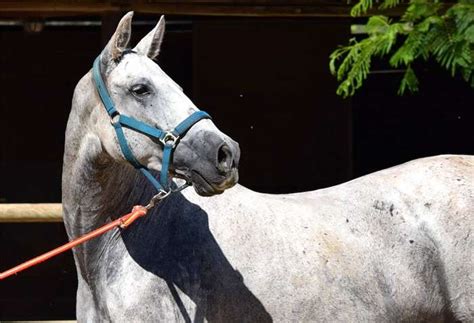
(169, 139)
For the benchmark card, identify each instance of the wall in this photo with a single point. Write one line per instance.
(267, 83)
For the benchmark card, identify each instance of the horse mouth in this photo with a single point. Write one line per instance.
(204, 187)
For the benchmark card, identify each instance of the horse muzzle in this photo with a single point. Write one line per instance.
(209, 159)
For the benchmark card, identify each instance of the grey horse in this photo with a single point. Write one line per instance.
(396, 245)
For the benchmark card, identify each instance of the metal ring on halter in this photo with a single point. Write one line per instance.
(114, 119)
(169, 139)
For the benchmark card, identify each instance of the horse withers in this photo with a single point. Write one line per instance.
(396, 245)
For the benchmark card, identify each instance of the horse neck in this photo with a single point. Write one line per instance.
(96, 188)
(99, 189)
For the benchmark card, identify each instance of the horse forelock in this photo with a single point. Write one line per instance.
(125, 52)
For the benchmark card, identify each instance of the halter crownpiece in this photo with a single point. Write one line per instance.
(169, 139)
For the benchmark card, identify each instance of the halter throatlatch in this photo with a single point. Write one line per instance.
(169, 139)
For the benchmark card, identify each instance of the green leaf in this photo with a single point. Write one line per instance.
(361, 7)
(387, 4)
(409, 82)
(419, 9)
(426, 30)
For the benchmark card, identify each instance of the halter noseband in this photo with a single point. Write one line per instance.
(169, 139)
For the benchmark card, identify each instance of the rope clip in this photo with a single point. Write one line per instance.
(158, 197)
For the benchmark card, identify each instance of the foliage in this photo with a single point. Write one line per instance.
(427, 29)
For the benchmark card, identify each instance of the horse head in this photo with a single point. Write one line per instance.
(142, 91)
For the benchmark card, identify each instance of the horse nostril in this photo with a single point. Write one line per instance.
(225, 159)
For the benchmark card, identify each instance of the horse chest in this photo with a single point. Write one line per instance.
(128, 292)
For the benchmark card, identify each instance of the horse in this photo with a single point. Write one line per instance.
(395, 245)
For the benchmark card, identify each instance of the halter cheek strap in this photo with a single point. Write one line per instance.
(168, 139)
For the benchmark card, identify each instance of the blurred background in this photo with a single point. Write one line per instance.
(259, 67)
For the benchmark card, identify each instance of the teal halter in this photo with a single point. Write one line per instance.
(169, 139)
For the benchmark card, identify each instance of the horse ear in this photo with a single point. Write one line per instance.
(151, 43)
(119, 40)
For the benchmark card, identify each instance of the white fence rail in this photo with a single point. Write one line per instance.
(31, 212)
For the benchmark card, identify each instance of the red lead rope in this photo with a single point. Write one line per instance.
(123, 222)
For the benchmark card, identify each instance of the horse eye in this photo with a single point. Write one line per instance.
(140, 90)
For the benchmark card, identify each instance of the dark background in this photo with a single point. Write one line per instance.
(266, 83)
